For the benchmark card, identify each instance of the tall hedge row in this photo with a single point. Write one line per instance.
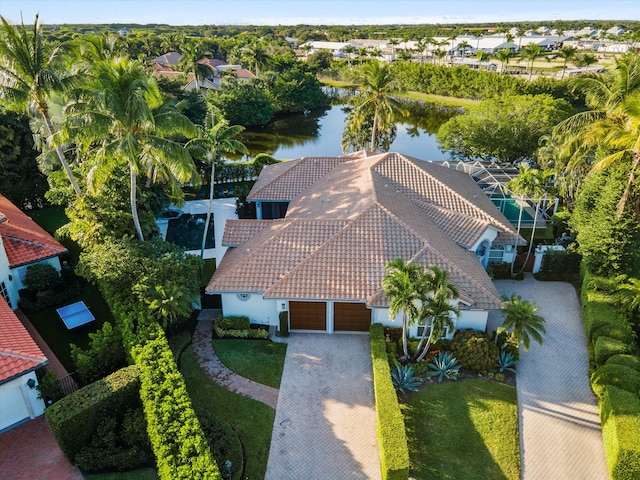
(392, 437)
(615, 379)
(74, 419)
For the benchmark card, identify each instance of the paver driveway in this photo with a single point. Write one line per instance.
(325, 425)
(560, 429)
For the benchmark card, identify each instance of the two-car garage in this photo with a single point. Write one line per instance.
(345, 316)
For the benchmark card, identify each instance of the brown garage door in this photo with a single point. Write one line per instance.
(308, 315)
(351, 317)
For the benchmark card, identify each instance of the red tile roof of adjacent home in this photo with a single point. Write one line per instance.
(347, 218)
(18, 351)
(23, 239)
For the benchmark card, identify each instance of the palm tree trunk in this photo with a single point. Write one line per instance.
(208, 220)
(60, 154)
(373, 131)
(134, 206)
(424, 352)
(405, 348)
(627, 191)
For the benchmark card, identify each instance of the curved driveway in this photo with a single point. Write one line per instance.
(560, 433)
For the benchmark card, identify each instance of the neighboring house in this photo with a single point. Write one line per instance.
(20, 357)
(336, 48)
(213, 80)
(335, 222)
(22, 243)
(170, 59)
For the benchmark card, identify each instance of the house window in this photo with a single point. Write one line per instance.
(421, 328)
(4, 292)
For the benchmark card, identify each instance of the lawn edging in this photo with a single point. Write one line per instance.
(619, 409)
(390, 428)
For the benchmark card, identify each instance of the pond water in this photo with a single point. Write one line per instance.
(319, 133)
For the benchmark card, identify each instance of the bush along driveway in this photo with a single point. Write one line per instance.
(560, 430)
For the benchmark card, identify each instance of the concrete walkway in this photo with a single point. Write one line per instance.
(325, 425)
(560, 432)
(218, 372)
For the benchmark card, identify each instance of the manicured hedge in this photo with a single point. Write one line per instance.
(619, 376)
(74, 419)
(627, 360)
(620, 416)
(233, 323)
(606, 347)
(177, 439)
(624, 333)
(392, 437)
(598, 307)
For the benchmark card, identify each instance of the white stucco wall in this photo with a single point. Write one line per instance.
(18, 402)
(255, 307)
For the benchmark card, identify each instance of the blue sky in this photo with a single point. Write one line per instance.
(288, 12)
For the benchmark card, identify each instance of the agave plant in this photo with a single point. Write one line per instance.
(403, 379)
(444, 365)
(506, 361)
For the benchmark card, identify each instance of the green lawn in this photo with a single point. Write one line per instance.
(252, 420)
(259, 360)
(463, 430)
(50, 218)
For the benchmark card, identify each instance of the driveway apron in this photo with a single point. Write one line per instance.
(325, 425)
(560, 432)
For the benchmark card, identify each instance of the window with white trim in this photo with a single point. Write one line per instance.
(421, 328)
(4, 292)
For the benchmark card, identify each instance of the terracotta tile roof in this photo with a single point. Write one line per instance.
(24, 240)
(348, 216)
(18, 351)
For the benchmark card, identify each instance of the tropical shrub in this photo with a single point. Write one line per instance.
(233, 323)
(505, 341)
(560, 262)
(622, 332)
(403, 379)
(506, 361)
(41, 276)
(620, 416)
(104, 355)
(283, 318)
(619, 376)
(224, 443)
(74, 420)
(630, 361)
(606, 347)
(390, 429)
(48, 388)
(444, 365)
(474, 350)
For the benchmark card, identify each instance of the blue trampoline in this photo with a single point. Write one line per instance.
(75, 315)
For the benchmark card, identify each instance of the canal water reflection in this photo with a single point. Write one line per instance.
(319, 133)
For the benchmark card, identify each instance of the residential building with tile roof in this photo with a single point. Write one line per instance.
(20, 356)
(328, 226)
(22, 243)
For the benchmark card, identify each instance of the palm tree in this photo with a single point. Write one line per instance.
(168, 302)
(628, 296)
(478, 34)
(438, 292)
(567, 53)
(377, 82)
(256, 55)
(28, 76)
(124, 121)
(531, 183)
(216, 138)
(585, 60)
(349, 50)
(191, 61)
(504, 55)
(522, 320)
(612, 124)
(530, 53)
(463, 46)
(401, 284)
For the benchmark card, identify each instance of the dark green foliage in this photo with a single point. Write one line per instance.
(244, 104)
(283, 317)
(598, 308)
(224, 444)
(104, 355)
(620, 416)
(505, 128)
(233, 323)
(506, 342)
(296, 91)
(502, 271)
(560, 262)
(20, 180)
(608, 242)
(392, 438)
(631, 361)
(41, 276)
(622, 332)
(475, 350)
(320, 60)
(619, 376)
(48, 387)
(74, 419)
(606, 347)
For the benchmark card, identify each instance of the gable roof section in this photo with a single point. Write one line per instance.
(24, 240)
(18, 351)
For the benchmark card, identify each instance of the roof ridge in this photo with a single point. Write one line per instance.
(291, 164)
(31, 242)
(8, 353)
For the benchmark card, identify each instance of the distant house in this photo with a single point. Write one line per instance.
(327, 227)
(20, 357)
(23, 243)
(336, 48)
(169, 59)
